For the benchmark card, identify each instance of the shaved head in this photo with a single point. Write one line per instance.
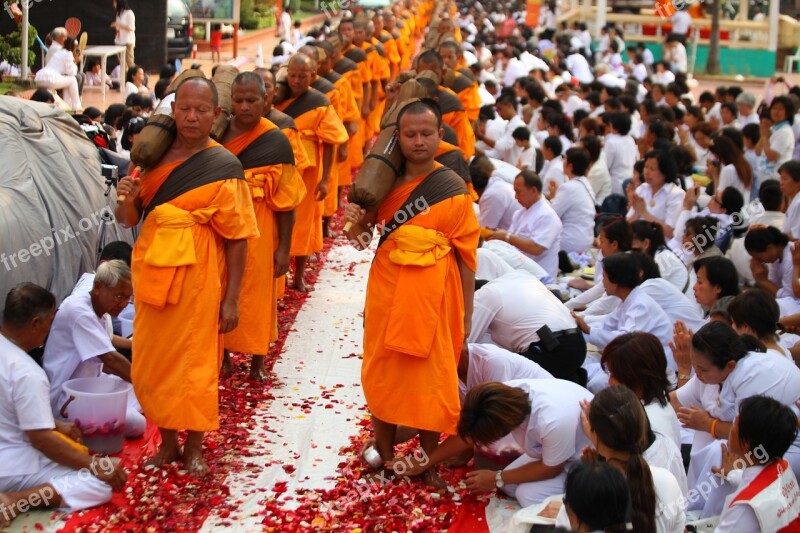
(247, 78)
(301, 61)
(197, 83)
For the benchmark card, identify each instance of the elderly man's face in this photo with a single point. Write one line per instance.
(449, 57)
(194, 111)
(269, 85)
(299, 77)
(113, 300)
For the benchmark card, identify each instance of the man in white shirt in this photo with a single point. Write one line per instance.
(536, 230)
(79, 345)
(496, 197)
(675, 53)
(746, 102)
(517, 312)
(501, 147)
(286, 24)
(38, 468)
(489, 362)
(523, 155)
(579, 67)
(58, 35)
(553, 168)
(574, 203)
(620, 150)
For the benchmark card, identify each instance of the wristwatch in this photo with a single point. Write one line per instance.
(498, 480)
(508, 237)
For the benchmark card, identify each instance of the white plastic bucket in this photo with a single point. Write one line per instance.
(97, 406)
(126, 321)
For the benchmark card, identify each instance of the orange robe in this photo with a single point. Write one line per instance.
(273, 187)
(349, 112)
(363, 77)
(178, 346)
(414, 320)
(316, 126)
(380, 72)
(468, 95)
(391, 46)
(331, 201)
(454, 115)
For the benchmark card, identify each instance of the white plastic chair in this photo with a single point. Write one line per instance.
(788, 63)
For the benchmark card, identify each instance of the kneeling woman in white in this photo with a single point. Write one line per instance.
(543, 416)
(723, 361)
(615, 422)
(768, 498)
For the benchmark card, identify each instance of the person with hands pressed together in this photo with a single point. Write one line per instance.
(187, 268)
(422, 282)
(659, 199)
(39, 466)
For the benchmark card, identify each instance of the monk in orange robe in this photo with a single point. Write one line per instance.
(357, 54)
(277, 189)
(187, 269)
(349, 114)
(464, 85)
(390, 26)
(351, 71)
(321, 130)
(383, 62)
(453, 112)
(361, 39)
(419, 296)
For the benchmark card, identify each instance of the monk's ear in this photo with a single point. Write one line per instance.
(217, 111)
(441, 133)
(172, 106)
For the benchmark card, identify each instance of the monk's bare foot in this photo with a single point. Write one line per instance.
(165, 456)
(431, 478)
(326, 229)
(257, 371)
(299, 284)
(7, 513)
(227, 367)
(194, 462)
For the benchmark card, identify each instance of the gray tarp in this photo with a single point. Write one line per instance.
(54, 216)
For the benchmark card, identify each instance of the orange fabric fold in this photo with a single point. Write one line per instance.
(414, 320)
(178, 350)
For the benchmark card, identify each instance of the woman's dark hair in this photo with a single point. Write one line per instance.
(42, 95)
(131, 72)
(620, 423)
(623, 270)
(696, 111)
(721, 273)
(594, 146)
(752, 132)
(758, 310)
(122, 5)
(134, 126)
(735, 134)
(647, 266)
(666, 164)
(720, 343)
(591, 126)
(684, 159)
(491, 410)
(637, 360)
(113, 114)
(730, 154)
(767, 425)
(598, 494)
(704, 230)
(757, 239)
(70, 43)
(652, 231)
(618, 230)
(788, 105)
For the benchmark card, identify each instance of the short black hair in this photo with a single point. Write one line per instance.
(521, 134)
(791, 169)
(788, 105)
(167, 71)
(647, 265)
(598, 494)
(621, 122)
(721, 272)
(43, 95)
(117, 250)
(506, 98)
(430, 56)
(553, 143)
(732, 200)
(752, 132)
(770, 195)
(720, 343)
(757, 239)
(593, 145)
(531, 179)
(25, 302)
(768, 425)
(730, 106)
(666, 164)
(756, 309)
(579, 158)
(622, 269)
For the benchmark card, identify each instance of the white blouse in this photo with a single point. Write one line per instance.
(666, 204)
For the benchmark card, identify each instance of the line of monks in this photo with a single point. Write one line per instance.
(298, 139)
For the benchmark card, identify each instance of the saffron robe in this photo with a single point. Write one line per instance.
(178, 346)
(414, 318)
(317, 123)
(348, 112)
(275, 185)
(454, 115)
